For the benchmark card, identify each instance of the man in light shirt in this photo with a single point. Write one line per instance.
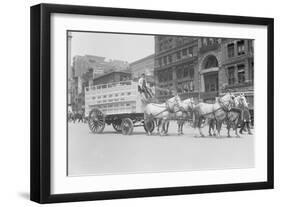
(142, 87)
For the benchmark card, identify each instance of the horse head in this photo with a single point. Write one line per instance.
(188, 104)
(173, 102)
(241, 101)
(227, 100)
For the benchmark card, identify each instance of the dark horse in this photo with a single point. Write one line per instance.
(233, 116)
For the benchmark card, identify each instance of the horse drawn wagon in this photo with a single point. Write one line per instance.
(117, 104)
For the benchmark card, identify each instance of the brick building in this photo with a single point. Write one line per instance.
(203, 68)
(144, 65)
(176, 66)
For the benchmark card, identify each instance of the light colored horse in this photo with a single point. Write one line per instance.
(161, 112)
(185, 112)
(217, 111)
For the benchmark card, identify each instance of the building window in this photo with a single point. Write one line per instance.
(187, 86)
(190, 52)
(178, 55)
(211, 62)
(191, 73)
(160, 62)
(231, 75)
(179, 73)
(205, 41)
(165, 60)
(184, 52)
(185, 72)
(230, 50)
(170, 58)
(241, 73)
(241, 47)
(170, 74)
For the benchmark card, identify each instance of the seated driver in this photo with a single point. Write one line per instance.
(142, 87)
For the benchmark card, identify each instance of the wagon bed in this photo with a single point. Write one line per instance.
(118, 104)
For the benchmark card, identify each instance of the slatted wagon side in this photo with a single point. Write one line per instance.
(117, 104)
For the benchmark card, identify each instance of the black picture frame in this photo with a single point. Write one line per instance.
(40, 184)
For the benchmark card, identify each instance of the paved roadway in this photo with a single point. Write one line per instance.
(113, 153)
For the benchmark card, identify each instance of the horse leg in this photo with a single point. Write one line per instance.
(236, 133)
(236, 128)
(161, 127)
(182, 123)
(145, 123)
(228, 130)
(210, 127)
(179, 125)
(167, 127)
(218, 126)
(200, 129)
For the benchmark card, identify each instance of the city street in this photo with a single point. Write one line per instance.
(113, 153)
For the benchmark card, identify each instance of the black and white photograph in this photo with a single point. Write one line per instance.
(129, 103)
(149, 103)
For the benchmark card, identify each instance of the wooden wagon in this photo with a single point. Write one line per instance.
(117, 104)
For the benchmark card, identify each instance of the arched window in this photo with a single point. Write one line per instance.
(211, 62)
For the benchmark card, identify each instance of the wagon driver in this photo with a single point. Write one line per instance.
(143, 89)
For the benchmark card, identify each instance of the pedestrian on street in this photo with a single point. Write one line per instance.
(246, 119)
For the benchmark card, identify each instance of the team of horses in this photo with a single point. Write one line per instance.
(227, 110)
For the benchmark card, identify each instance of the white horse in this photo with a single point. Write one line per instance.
(161, 113)
(185, 112)
(217, 111)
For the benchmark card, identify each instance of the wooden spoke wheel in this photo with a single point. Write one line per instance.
(149, 126)
(96, 121)
(127, 126)
(117, 127)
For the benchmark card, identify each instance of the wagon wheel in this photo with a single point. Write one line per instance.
(117, 126)
(96, 121)
(149, 126)
(127, 126)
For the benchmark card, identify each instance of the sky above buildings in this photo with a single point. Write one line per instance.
(112, 46)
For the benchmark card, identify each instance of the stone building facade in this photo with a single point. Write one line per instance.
(176, 66)
(143, 65)
(203, 68)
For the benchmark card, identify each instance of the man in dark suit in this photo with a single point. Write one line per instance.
(246, 119)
